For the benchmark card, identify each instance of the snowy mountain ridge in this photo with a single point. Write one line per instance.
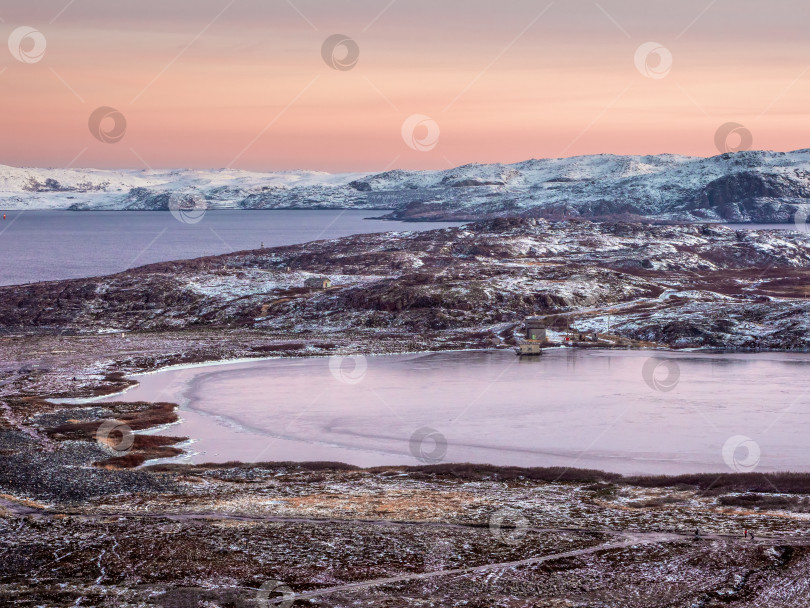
(757, 186)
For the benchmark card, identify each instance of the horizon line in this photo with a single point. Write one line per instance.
(368, 171)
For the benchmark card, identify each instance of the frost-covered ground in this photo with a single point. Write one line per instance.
(678, 286)
(80, 528)
(735, 187)
(321, 535)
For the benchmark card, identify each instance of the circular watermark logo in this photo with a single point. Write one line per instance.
(800, 219)
(350, 369)
(115, 437)
(187, 207)
(420, 132)
(741, 454)
(275, 593)
(340, 52)
(733, 137)
(428, 445)
(661, 374)
(107, 125)
(27, 45)
(508, 526)
(653, 60)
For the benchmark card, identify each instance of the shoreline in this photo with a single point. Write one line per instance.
(124, 380)
(225, 522)
(459, 289)
(212, 421)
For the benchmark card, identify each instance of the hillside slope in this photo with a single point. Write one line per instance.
(735, 187)
(681, 286)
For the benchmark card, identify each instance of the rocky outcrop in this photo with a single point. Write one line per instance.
(739, 187)
(759, 197)
(679, 285)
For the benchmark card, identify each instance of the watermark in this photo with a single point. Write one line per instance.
(394, 198)
(182, 597)
(340, 52)
(107, 125)
(741, 454)
(733, 137)
(33, 366)
(192, 597)
(420, 132)
(107, 436)
(428, 445)
(349, 369)
(653, 60)
(27, 45)
(187, 207)
(508, 526)
(275, 593)
(800, 219)
(661, 374)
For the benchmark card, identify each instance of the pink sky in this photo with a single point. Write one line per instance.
(216, 83)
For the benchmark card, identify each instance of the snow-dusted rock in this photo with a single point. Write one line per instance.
(694, 285)
(735, 187)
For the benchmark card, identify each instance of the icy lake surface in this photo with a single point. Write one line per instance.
(53, 245)
(573, 408)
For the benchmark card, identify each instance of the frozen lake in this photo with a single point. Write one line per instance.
(611, 410)
(53, 245)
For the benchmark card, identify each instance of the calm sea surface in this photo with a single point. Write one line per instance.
(51, 245)
(573, 408)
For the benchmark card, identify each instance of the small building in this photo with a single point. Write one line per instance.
(536, 329)
(318, 283)
(576, 335)
(535, 337)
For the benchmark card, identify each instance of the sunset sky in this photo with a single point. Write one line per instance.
(242, 83)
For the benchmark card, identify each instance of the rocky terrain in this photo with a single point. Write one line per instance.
(676, 286)
(326, 535)
(84, 524)
(751, 186)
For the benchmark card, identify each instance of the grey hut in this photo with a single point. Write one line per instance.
(318, 283)
(536, 329)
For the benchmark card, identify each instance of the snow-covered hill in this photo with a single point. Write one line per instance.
(462, 287)
(30, 188)
(744, 186)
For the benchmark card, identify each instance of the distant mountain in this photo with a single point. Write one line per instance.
(736, 187)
